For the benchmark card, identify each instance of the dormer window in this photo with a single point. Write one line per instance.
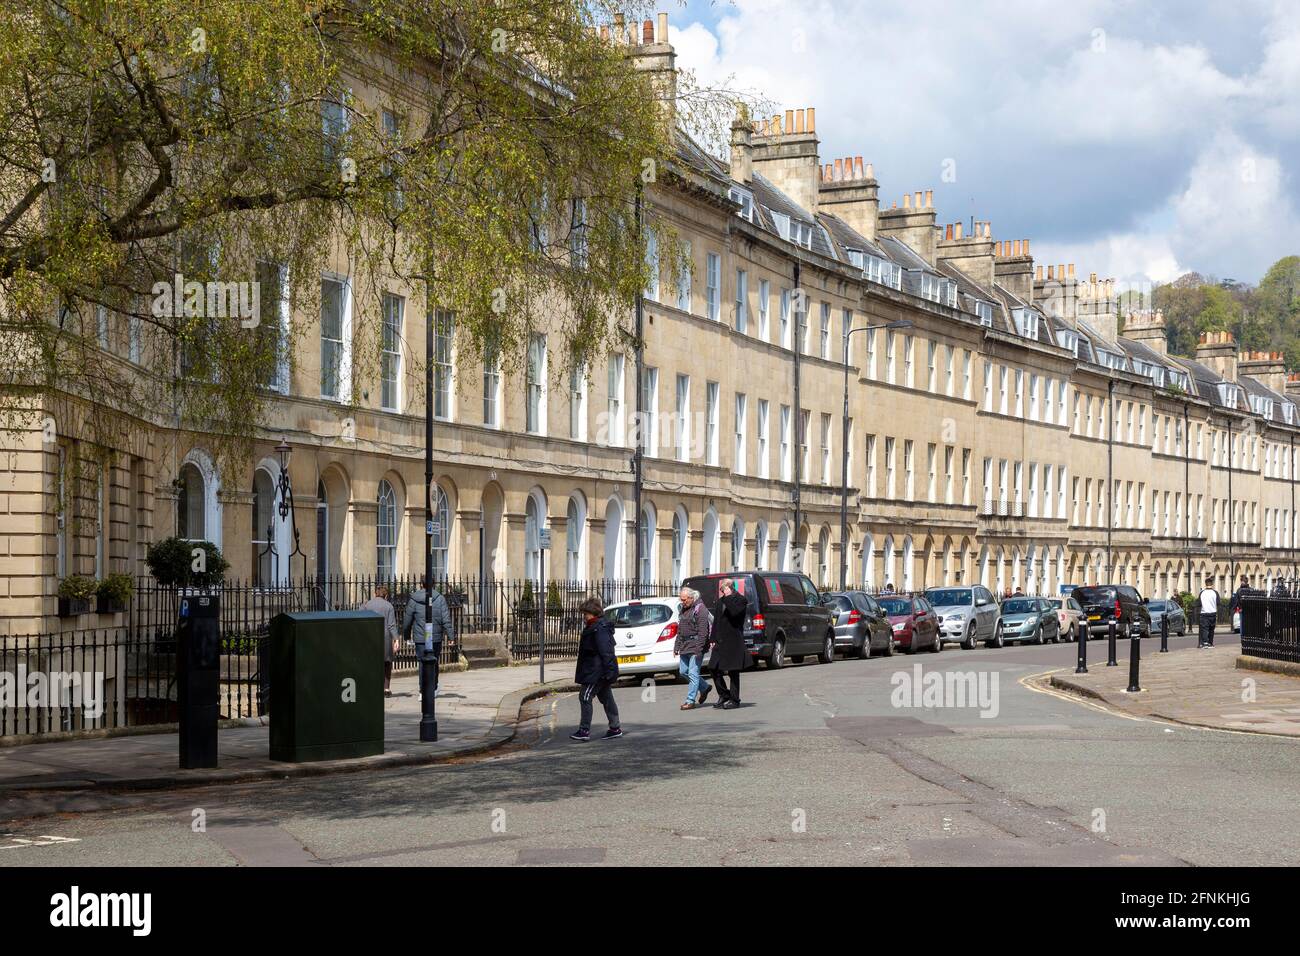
(1069, 340)
(1262, 406)
(745, 199)
(1026, 322)
(1227, 394)
(1110, 359)
(929, 287)
(1288, 413)
(983, 311)
(792, 230)
(857, 258)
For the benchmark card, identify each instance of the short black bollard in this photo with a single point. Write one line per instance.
(1134, 656)
(1164, 634)
(1110, 642)
(1082, 638)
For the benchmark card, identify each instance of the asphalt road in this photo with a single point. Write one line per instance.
(818, 767)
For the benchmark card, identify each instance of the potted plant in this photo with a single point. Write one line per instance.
(526, 607)
(114, 593)
(175, 562)
(75, 592)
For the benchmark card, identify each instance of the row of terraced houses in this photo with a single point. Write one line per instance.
(1003, 430)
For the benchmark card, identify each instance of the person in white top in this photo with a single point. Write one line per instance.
(1209, 599)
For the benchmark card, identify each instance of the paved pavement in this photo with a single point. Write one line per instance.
(1194, 686)
(825, 764)
(468, 721)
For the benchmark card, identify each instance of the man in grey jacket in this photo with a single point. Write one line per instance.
(428, 647)
(693, 626)
(380, 605)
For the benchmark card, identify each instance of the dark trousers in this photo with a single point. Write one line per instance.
(599, 691)
(388, 674)
(1207, 630)
(721, 684)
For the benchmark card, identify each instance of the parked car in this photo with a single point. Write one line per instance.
(861, 626)
(787, 617)
(967, 615)
(1030, 619)
(1120, 603)
(914, 622)
(1170, 609)
(644, 634)
(1069, 616)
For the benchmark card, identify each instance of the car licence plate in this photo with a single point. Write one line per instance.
(1094, 617)
(633, 659)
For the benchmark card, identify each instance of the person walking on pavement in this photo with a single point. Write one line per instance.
(729, 655)
(1234, 603)
(694, 625)
(1209, 600)
(379, 604)
(597, 670)
(428, 647)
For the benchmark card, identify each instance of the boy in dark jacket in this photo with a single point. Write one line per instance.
(597, 669)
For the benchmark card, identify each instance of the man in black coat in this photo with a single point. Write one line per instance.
(729, 653)
(597, 670)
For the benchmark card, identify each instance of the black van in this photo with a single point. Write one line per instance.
(787, 617)
(1120, 603)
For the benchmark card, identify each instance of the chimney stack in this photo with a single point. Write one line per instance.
(656, 56)
(1267, 368)
(742, 150)
(913, 225)
(1148, 327)
(1218, 351)
(787, 155)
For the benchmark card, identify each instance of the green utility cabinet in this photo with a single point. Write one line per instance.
(327, 685)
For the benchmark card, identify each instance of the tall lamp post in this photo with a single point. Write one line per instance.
(284, 508)
(844, 448)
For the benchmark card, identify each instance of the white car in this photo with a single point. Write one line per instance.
(644, 634)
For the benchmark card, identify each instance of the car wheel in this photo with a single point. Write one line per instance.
(938, 643)
(996, 640)
(864, 649)
(968, 644)
(827, 656)
(1038, 635)
(776, 660)
(889, 645)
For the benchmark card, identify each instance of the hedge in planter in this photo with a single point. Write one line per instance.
(114, 593)
(172, 563)
(75, 592)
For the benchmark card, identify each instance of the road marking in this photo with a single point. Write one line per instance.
(18, 843)
(1169, 725)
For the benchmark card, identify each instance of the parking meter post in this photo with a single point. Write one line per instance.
(1164, 634)
(1082, 638)
(1110, 641)
(1134, 659)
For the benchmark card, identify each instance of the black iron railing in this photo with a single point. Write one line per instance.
(1270, 628)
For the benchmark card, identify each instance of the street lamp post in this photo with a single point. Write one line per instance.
(844, 448)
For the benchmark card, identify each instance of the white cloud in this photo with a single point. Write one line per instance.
(1107, 131)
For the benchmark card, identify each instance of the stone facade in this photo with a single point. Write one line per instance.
(1003, 433)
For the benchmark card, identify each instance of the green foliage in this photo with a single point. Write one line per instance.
(1189, 602)
(1266, 317)
(116, 587)
(171, 562)
(208, 136)
(77, 587)
(554, 606)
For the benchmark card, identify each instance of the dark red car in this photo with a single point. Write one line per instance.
(914, 623)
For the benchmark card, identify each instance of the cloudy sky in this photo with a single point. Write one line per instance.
(1135, 139)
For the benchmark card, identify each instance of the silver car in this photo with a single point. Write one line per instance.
(967, 615)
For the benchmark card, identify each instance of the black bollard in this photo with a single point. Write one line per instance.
(1164, 634)
(1134, 656)
(1110, 641)
(1082, 638)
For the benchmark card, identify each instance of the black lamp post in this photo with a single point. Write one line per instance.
(285, 509)
(844, 448)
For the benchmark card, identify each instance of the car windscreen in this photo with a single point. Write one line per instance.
(1157, 605)
(949, 597)
(639, 615)
(1018, 607)
(840, 602)
(896, 607)
(1094, 595)
(708, 587)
